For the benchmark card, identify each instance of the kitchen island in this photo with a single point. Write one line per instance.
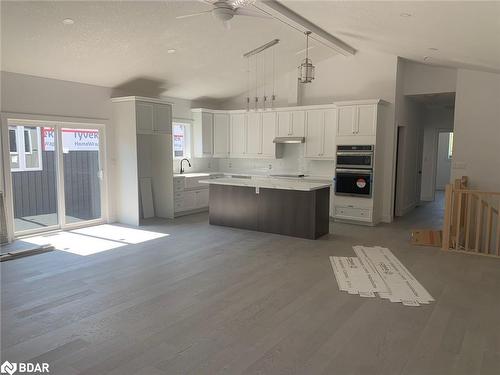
(289, 207)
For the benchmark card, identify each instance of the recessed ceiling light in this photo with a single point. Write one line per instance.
(171, 50)
(405, 14)
(68, 21)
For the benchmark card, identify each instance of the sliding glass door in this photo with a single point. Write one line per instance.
(33, 168)
(82, 174)
(56, 175)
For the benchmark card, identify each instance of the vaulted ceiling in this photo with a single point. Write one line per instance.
(113, 44)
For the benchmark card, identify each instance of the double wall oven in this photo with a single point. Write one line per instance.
(354, 170)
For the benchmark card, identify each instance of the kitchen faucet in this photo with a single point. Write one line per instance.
(182, 169)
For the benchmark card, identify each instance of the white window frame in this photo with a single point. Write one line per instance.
(21, 149)
(187, 138)
(450, 146)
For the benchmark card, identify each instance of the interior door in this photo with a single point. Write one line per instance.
(82, 174)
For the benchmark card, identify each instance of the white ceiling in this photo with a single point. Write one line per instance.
(466, 33)
(125, 43)
(114, 44)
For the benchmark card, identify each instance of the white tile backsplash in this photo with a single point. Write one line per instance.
(291, 162)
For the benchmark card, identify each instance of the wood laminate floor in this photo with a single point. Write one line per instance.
(215, 300)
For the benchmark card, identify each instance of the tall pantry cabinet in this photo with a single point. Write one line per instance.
(143, 150)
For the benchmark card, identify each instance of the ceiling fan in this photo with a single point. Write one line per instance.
(225, 10)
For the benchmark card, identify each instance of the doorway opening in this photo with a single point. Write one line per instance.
(423, 166)
(55, 175)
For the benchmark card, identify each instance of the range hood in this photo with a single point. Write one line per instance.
(289, 140)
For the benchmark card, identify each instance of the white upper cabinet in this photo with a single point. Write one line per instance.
(314, 134)
(221, 135)
(144, 116)
(320, 134)
(366, 119)
(254, 134)
(268, 134)
(357, 119)
(298, 123)
(284, 123)
(207, 129)
(346, 120)
(153, 117)
(162, 118)
(330, 119)
(290, 123)
(203, 130)
(238, 135)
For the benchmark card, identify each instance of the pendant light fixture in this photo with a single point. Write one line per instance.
(306, 69)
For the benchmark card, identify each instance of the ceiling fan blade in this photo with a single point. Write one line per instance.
(193, 15)
(250, 13)
(241, 3)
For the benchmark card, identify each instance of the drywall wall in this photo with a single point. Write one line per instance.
(443, 165)
(366, 75)
(408, 116)
(477, 129)
(436, 119)
(427, 79)
(36, 95)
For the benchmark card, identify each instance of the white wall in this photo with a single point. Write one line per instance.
(427, 79)
(443, 165)
(366, 75)
(477, 129)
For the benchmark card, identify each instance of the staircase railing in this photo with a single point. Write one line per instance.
(471, 220)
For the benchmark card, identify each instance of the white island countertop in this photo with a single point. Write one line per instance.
(268, 183)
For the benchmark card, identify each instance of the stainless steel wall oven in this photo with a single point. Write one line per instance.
(354, 170)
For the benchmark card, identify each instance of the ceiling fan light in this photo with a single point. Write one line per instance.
(223, 13)
(306, 71)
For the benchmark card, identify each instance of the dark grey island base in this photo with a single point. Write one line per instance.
(294, 213)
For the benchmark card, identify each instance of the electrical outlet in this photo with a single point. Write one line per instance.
(230, 165)
(270, 166)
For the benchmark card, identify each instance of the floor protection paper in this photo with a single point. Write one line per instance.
(376, 270)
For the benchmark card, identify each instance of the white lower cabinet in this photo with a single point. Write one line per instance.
(189, 195)
(189, 200)
(353, 213)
